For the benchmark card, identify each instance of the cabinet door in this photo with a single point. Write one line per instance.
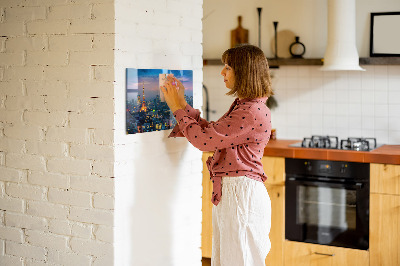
(206, 226)
(384, 230)
(274, 168)
(304, 254)
(277, 233)
(385, 178)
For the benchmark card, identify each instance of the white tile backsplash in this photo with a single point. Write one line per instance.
(382, 110)
(394, 110)
(394, 97)
(343, 103)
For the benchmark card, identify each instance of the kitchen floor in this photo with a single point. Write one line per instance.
(206, 261)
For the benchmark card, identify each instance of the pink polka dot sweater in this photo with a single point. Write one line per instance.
(238, 139)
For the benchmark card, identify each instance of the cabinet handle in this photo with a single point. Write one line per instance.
(325, 254)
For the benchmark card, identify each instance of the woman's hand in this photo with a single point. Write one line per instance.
(171, 94)
(181, 90)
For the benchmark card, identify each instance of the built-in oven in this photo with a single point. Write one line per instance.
(327, 202)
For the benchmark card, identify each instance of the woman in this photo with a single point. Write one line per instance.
(242, 208)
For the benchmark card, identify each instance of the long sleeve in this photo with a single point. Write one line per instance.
(193, 113)
(231, 130)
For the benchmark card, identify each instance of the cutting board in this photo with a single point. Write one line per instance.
(239, 35)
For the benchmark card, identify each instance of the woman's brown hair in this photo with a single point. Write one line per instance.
(250, 66)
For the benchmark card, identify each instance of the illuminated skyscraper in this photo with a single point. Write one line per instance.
(143, 108)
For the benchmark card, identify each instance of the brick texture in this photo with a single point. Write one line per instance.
(24, 221)
(56, 128)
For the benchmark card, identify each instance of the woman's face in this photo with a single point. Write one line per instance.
(229, 76)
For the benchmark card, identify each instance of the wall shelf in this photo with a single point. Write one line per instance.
(380, 61)
(274, 63)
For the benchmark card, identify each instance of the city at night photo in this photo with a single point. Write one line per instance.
(146, 109)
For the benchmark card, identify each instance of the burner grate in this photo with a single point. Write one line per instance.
(358, 144)
(327, 142)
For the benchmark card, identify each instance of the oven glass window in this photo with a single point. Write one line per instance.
(326, 207)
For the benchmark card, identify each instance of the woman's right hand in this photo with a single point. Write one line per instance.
(181, 91)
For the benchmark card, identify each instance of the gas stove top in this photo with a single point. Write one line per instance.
(332, 142)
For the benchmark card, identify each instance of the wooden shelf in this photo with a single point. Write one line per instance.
(380, 61)
(274, 63)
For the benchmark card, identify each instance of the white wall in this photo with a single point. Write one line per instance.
(344, 103)
(158, 180)
(56, 132)
(305, 18)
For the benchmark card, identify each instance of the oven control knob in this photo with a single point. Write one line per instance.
(308, 166)
(343, 168)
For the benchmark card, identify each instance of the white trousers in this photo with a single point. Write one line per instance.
(241, 223)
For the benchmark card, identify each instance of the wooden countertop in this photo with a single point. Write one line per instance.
(389, 154)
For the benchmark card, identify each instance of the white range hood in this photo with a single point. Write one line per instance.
(341, 51)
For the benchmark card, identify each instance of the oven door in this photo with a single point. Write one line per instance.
(327, 213)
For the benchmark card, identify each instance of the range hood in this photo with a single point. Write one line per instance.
(341, 51)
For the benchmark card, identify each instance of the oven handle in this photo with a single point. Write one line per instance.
(357, 185)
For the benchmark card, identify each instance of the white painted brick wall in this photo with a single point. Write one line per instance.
(24, 221)
(104, 233)
(25, 191)
(9, 174)
(82, 230)
(93, 184)
(48, 179)
(11, 233)
(103, 202)
(55, 149)
(46, 209)
(91, 247)
(69, 197)
(69, 166)
(25, 250)
(95, 216)
(46, 240)
(56, 132)
(68, 258)
(12, 204)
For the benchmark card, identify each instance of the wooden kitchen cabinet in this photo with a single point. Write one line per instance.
(305, 254)
(277, 233)
(206, 225)
(274, 168)
(384, 236)
(385, 178)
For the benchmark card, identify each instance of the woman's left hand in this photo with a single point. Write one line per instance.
(171, 95)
